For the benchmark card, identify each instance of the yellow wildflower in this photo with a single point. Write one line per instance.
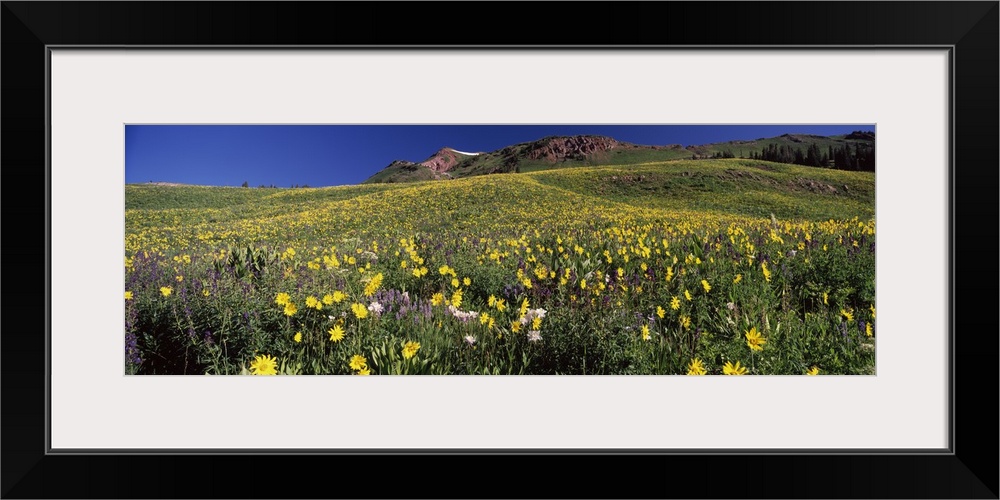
(410, 349)
(695, 367)
(754, 340)
(730, 369)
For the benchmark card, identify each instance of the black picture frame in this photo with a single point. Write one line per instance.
(969, 470)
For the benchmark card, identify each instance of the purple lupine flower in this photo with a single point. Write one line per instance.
(132, 349)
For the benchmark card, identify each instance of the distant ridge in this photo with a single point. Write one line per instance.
(583, 150)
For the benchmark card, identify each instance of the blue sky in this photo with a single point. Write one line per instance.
(332, 155)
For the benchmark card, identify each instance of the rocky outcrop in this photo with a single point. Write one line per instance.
(443, 160)
(577, 147)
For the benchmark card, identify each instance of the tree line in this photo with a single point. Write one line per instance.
(857, 156)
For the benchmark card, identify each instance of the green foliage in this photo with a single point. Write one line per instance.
(606, 252)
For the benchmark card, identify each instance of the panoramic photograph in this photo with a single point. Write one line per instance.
(499, 250)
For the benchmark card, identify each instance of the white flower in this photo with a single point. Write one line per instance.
(534, 336)
(465, 316)
(375, 307)
(531, 314)
(469, 339)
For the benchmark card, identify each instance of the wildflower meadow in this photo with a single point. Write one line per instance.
(691, 267)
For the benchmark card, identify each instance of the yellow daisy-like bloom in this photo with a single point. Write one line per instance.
(454, 283)
(536, 324)
(515, 326)
(730, 369)
(128, 295)
(826, 298)
(767, 273)
(492, 300)
(583, 284)
(754, 340)
(661, 312)
(360, 311)
(358, 362)
(868, 329)
(695, 367)
(675, 303)
(706, 286)
(328, 299)
(166, 291)
(336, 333)
(338, 296)
(813, 370)
(466, 281)
(872, 307)
(737, 279)
(685, 322)
(524, 307)
(297, 337)
(313, 302)
(687, 295)
(282, 299)
(847, 314)
(205, 292)
(364, 371)
(264, 365)
(456, 298)
(291, 309)
(437, 299)
(645, 332)
(373, 285)
(410, 349)
(501, 305)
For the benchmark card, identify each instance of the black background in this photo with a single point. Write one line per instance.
(971, 472)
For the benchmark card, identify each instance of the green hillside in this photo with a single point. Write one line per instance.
(833, 151)
(648, 192)
(716, 266)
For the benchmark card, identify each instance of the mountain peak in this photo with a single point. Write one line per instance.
(443, 160)
(561, 151)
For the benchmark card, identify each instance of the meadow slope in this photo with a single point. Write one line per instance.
(656, 268)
